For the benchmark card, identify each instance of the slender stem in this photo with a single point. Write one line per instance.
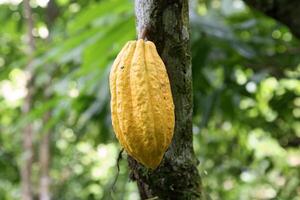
(143, 34)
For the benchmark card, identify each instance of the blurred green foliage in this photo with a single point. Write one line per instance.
(246, 70)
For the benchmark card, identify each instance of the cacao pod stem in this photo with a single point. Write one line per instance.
(143, 34)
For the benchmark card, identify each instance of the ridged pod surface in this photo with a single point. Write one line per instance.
(142, 107)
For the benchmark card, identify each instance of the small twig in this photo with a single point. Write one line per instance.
(118, 169)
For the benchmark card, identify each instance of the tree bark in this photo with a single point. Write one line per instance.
(27, 135)
(44, 192)
(286, 12)
(52, 12)
(167, 25)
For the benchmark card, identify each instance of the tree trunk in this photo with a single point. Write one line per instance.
(286, 12)
(52, 13)
(44, 192)
(27, 135)
(167, 25)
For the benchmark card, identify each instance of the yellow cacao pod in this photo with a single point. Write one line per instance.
(142, 107)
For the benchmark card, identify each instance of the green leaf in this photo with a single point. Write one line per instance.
(96, 54)
(96, 11)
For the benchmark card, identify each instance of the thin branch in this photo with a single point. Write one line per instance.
(118, 170)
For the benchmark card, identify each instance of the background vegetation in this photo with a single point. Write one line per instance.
(246, 70)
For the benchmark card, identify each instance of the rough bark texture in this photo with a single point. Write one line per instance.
(27, 135)
(285, 11)
(167, 25)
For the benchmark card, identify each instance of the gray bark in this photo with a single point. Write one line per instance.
(167, 25)
(52, 12)
(27, 135)
(44, 189)
(285, 11)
